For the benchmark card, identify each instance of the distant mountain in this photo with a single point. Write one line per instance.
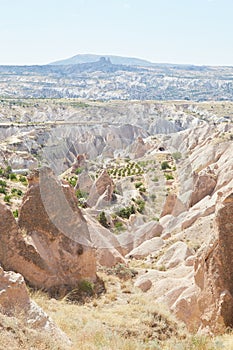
(83, 58)
(105, 80)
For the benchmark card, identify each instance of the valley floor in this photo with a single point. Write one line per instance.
(152, 190)
(124, 318)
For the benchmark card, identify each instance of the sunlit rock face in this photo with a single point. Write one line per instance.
(50, 246)
(214, 271)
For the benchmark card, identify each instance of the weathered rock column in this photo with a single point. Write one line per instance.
(214, 271)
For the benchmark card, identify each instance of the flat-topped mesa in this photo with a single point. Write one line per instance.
(214, 270)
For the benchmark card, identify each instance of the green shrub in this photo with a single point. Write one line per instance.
(23, 179)
(118, 226)
(82, 293)
(155, 179)
(8, 169)
(81, 194)
(16, 213)
(138, 201)
(153, 197)
(143, 163)
(73, 181)
(78, 171)
(142, 189)
(177, 155)
(3, 190)
(138, 184)
(122, 271)
(141, 206)
(169, 177)
(126, 212)
(7, 198)
(165, 165)
(16, 192)
(86, 287)
(12, 176)
(2, 183)
(19, 193)
(103, 220)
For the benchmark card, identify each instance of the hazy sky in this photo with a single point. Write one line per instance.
(177, 31)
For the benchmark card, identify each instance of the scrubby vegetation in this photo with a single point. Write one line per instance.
(12, 187)
(103, 220)
(169, 176)
(165, 165)
(123, 319)
(126, 169)
(126, 212)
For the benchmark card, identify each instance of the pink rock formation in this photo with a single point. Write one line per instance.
(214, 271)
(51, 248)
(175, 255)
(129, 241)
(13, 292)
(53, 245)
(203, 186)
(186, 308)
(15, 301)
(172, 205)
(102, 188)
(139, 148)
(84, 182)
(80, 161)
(146, 248)
(108, 250)
(144, 285)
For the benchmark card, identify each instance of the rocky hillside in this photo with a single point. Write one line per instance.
(103, 80)
(118, 205)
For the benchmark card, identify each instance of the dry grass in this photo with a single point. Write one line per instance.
(16, 335)
(198, 342)
(122, 319)
(125, 319)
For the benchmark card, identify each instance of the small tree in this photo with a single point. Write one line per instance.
(177, 155)
(126, 212)
(165, 165)
(78, 171)
(102, 219)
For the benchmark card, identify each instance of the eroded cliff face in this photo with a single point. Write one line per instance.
(214, 271)
(101, 191)
(203, 186)
(54, 244)
(16, 303)
(50, 246)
